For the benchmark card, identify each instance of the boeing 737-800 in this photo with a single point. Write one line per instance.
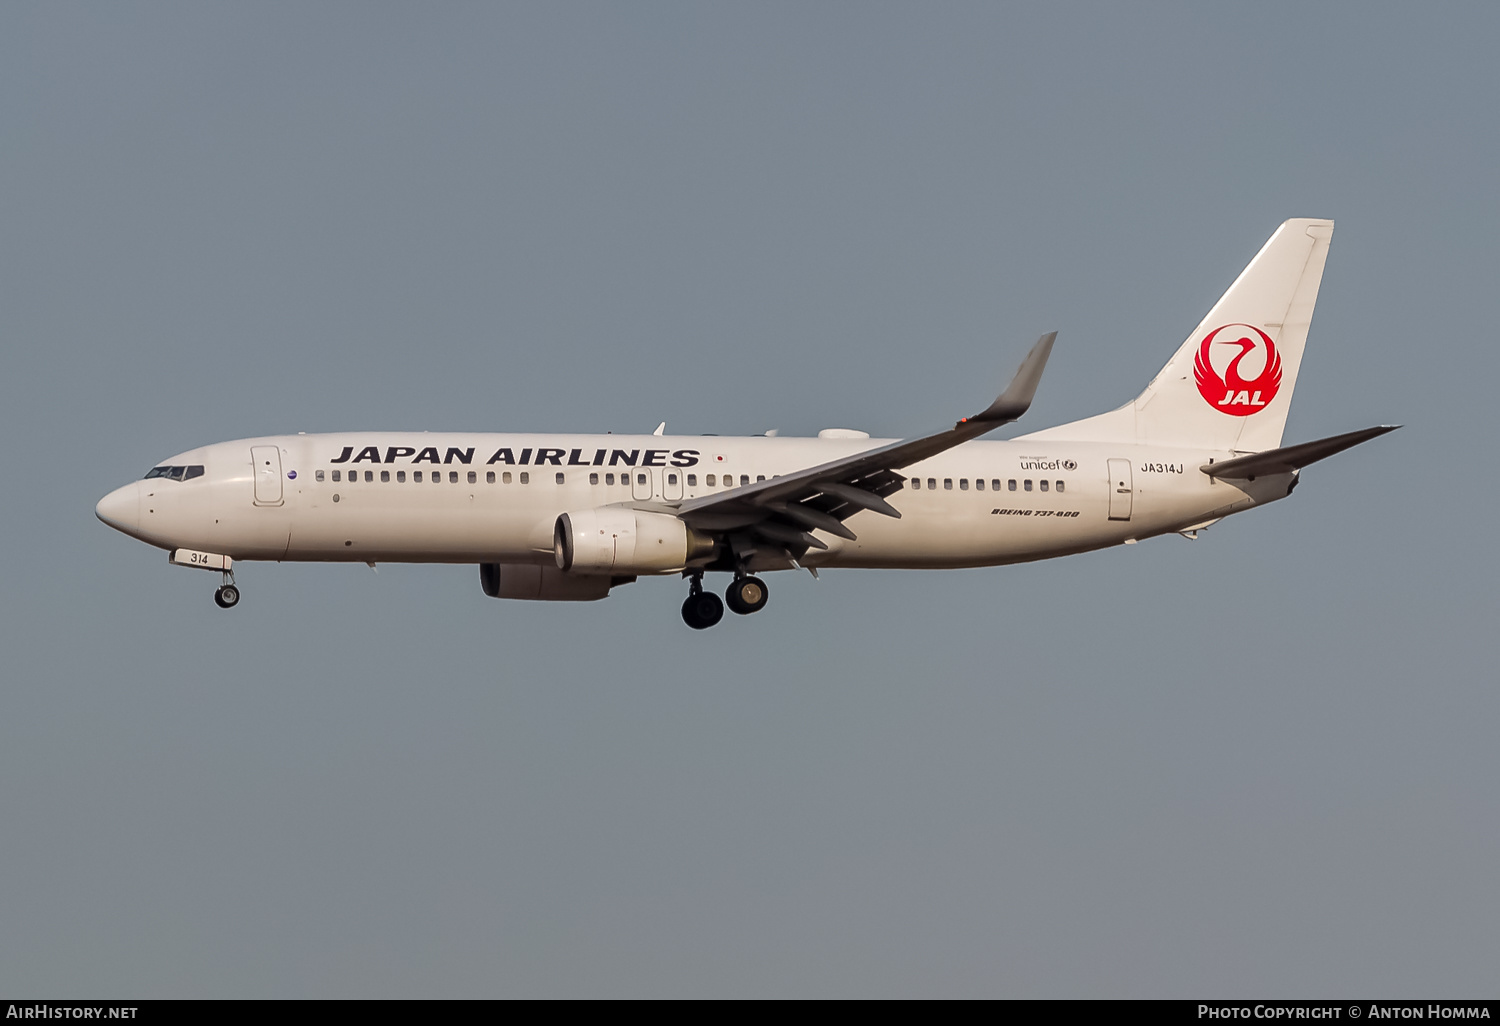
(570, 517)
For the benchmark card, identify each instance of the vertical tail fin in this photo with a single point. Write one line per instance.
(1230, 384)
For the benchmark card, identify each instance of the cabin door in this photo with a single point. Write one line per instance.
(266, 460)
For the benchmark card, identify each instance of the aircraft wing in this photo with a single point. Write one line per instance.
(1292, 457)
(784, 510)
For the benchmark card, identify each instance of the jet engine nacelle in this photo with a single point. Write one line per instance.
(544, 583)
(626, 541)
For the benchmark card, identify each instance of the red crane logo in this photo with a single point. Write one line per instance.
(1233, 393)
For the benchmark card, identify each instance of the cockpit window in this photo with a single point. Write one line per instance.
(176, 473)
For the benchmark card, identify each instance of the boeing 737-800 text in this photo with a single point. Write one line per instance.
(569, 517)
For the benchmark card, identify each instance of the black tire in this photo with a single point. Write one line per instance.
(747, 595)
(702, 611)
(227, 597)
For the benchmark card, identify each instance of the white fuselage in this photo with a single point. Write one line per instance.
(496, 497)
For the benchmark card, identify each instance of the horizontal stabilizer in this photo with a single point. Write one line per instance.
(1293, 457)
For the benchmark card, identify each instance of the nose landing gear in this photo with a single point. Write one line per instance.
(228, 596)
(702, 608)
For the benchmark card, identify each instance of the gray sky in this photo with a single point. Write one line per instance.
(1261, 764)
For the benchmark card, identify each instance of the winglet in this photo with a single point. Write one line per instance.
(1016, 399)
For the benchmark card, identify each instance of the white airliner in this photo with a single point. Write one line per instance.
(569, 517)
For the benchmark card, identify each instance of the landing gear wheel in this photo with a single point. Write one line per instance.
(702, 610)
(746, 595)
(227, 597)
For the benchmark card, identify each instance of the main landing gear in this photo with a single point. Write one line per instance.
(746, 595)
(228, 596)
(703, 609)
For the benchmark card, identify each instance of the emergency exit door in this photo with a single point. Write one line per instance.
(641, 484)
(266, 460)
(671, 484)
(1120, 492)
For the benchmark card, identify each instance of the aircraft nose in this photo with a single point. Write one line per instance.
(121, 508)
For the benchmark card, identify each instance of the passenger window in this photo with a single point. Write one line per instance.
(593, 479)
(640, 479)
(692, 480)
(609, 479)
(317, 475)
(671, 479)
(979, 484)
(473, 478)
(437, 477)
(335, 475)
(995, 484)
(505, 478)
(385, 477)
(948, 484)
(401, 475)
(916, 484)
(1028, 484)
(1043, 485)
(453, 477)
(369, 475)
(760, 477)
(1011, 484)
(416, 475)
(1059, 486)
(744, 479)
(932, 483)
(489, 477)
(525, 477)
(559, 478)
(709, 480)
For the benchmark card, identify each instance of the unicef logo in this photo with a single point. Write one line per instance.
(1069, 465)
